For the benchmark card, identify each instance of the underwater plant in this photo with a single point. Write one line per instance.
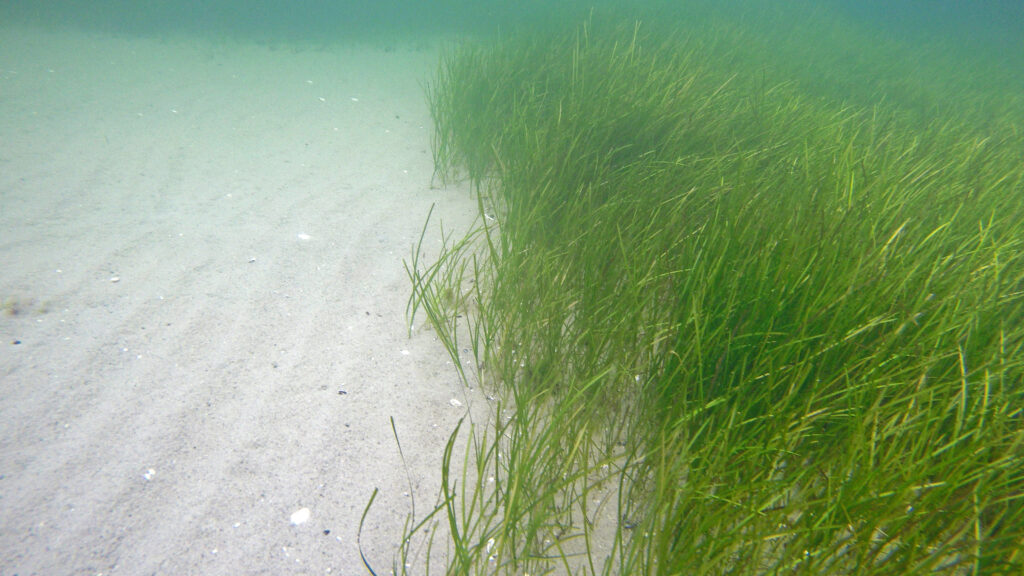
(733, 325)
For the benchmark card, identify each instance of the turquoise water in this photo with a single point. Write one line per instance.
(280, 19)
(996, 24)
(984, 37)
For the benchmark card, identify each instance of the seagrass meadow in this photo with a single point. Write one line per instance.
(745, 307)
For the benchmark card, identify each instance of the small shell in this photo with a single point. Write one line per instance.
(300, 516)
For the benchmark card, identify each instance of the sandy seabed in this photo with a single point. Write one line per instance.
(203, 327)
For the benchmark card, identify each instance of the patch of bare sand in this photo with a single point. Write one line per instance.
(205, 324)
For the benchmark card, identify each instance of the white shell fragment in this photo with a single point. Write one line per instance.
(300, 516)
(455, 402)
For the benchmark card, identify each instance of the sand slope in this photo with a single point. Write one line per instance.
(204, 332)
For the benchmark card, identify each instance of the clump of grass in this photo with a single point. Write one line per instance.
(752, 329)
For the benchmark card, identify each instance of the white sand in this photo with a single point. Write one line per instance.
(201, 251)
